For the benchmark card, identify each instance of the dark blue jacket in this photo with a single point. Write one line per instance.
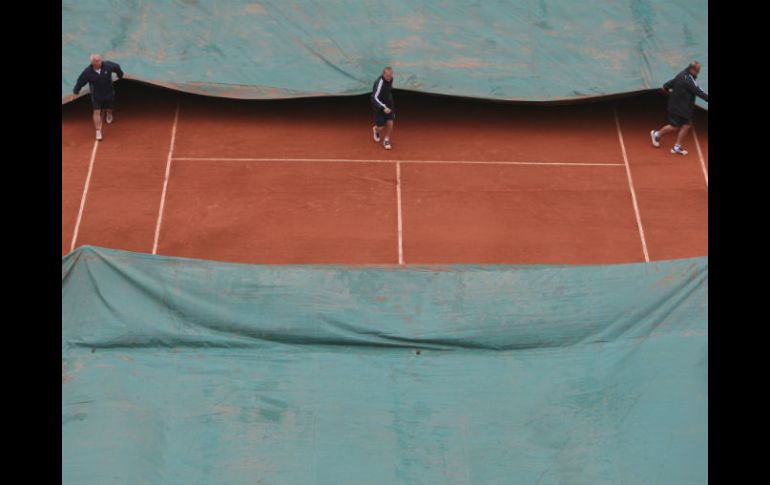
(381, 95)
(99, 83)
(683, 91)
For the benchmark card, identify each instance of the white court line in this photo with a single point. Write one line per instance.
(165, 180)
(700, 154)
(85, 194)
(631, 186)
(400, 223)
(365, 160)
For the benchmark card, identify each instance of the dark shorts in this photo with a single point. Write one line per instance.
(380, 117)
(101, 103)
(677, 121)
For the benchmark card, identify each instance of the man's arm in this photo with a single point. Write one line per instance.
(118, 70)
(669, 85)
(693, 87)
(81, 82)
(377, 94)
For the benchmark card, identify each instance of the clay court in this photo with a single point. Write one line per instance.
(301, 181)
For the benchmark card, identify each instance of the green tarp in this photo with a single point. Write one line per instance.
(178, 371)
(524, 50)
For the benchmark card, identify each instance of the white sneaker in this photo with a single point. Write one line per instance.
(655, 139)
(679, 150)
(386, 144)
(108, 118)
(375, 134)
(99, 135)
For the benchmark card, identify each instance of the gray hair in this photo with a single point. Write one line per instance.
(95, 57)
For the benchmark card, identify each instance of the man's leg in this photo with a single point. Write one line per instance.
(379, 122)
(107, 109)
(682, 133)
(98, 123)
(656, 134)
(666, 129)
(388, 131)
(98, 119)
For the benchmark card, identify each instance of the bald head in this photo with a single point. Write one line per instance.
(96, 61)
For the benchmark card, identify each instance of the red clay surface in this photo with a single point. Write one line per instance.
(479, 182)
(278, 212)
(531, 214)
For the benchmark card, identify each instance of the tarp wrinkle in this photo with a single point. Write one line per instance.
(179, 371)
(517, 51)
